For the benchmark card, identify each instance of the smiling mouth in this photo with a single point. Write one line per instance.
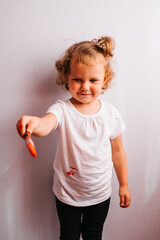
(84, 94)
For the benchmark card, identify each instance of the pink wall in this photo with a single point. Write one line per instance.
(32, 35)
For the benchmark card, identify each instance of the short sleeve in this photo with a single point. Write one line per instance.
(118, 125)
(57, 110)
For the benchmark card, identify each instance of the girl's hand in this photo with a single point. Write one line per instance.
(28, 123)
(125, 197)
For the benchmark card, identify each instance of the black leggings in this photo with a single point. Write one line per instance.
(86, 220)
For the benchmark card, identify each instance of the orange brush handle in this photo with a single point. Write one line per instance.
(30, 144)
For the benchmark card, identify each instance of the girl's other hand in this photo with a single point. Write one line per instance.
(28, 123)
(125, 197)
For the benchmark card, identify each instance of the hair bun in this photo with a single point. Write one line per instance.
(105, 44)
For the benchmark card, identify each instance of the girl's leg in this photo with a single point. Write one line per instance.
(93, 220)
(70, 221)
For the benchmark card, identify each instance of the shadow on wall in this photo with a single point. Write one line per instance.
(150, 210)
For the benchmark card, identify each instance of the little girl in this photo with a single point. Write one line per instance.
(90, 141)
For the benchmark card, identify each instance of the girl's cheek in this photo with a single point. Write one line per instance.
(72, 87)
(98, 90)
(71, 84)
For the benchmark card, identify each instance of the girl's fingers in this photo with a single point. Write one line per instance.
(23, 124)
(20, 127)
(125, 197)
(122, 201)
(125, 201)
(30, 127)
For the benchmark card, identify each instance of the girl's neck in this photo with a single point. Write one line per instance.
(87, 108)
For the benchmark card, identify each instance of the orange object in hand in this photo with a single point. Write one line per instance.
(30, 144)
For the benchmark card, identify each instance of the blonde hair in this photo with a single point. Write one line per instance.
(86, 52)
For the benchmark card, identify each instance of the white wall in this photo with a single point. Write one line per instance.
(33, 34)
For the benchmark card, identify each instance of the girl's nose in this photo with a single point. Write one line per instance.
(85, 86)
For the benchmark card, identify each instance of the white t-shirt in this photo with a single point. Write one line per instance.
(83, 161)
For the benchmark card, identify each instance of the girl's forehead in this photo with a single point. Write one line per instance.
(83, 69)
(88, 60)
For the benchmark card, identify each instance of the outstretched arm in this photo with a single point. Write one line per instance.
(38, 127)
(120, 165)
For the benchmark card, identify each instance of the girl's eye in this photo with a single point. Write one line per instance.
(77, 79)
(93, 80)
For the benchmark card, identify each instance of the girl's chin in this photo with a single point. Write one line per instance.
(82, 100)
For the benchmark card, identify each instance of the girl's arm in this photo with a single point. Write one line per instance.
(120, 165)
(37, 126)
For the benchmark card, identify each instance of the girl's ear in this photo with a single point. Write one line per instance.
(105, 79)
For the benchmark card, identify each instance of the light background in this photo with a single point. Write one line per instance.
(33, 34)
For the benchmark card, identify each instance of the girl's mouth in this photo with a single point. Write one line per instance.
(84, 94)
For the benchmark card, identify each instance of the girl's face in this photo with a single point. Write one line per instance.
(86, 82)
